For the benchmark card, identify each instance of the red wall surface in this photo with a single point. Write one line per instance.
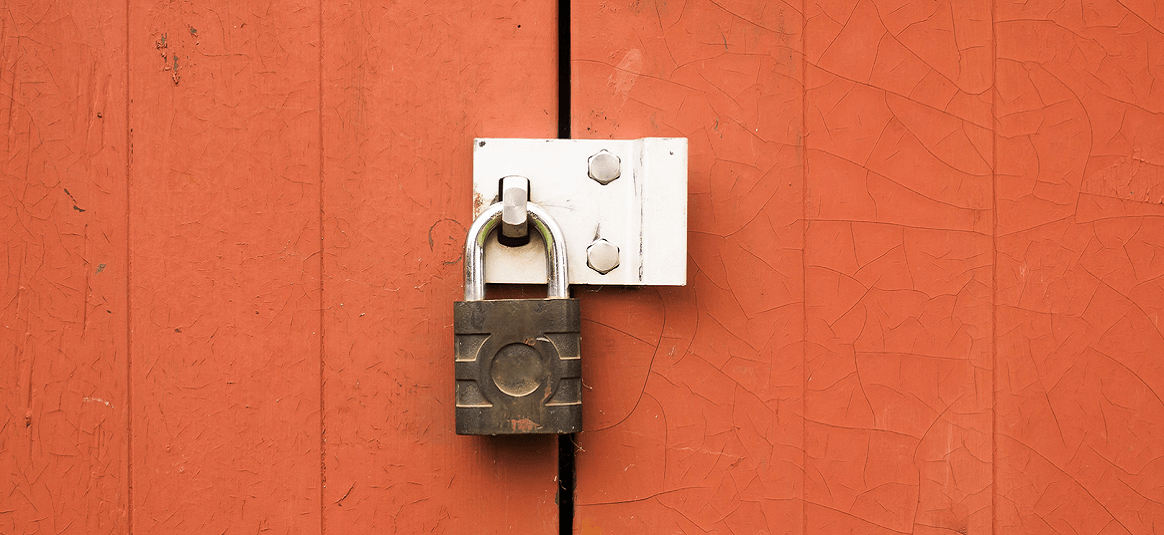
(926, 267)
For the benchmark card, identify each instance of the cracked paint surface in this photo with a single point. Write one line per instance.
(1080, 134)
(63, 403)
(898, 255)
(979, 265)
(926, 267)
(694, 406)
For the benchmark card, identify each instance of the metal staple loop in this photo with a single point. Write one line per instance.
(514, 197)
(557, 273)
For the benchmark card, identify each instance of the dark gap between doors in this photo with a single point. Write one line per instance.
(565, 442)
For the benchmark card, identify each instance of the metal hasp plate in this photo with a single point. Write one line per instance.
(622, 205)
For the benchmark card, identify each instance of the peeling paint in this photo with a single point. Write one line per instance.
(88, 399)
(524, 425)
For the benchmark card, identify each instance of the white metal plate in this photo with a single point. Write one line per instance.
(643, 212)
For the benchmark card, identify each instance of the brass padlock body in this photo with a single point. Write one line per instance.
(518, 366)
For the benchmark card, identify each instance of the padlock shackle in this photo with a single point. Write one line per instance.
(487, 222)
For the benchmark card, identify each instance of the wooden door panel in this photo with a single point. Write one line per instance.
(198, 395)
(224, 248)
(406, 88)
(925, 272)
(63, 400)
(967, 368)
(1080, 124)
(898, 382)
(694, 395)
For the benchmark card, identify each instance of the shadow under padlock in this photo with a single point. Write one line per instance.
(518, 361)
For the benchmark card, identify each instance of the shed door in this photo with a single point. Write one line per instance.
(926, 267)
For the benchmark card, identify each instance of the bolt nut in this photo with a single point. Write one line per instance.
(602, 256)
(605, 167)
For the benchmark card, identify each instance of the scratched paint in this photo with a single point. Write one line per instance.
(217, 422)
(63, 313)
(225, 281)
(926, 272)
(407, 88)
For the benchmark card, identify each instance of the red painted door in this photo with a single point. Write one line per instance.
(925, 267)
(925, 276)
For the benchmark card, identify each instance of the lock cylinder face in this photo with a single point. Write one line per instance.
(518, 370)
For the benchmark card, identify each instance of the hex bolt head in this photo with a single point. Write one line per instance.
(602, 256)
(605, 167)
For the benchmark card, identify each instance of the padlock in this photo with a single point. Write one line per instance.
(518, 362)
